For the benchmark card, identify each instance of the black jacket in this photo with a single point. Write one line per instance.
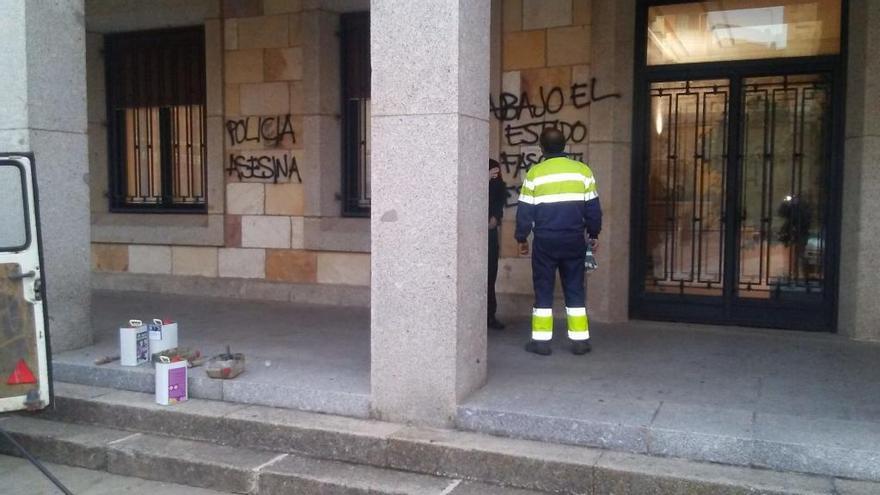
(497, 197)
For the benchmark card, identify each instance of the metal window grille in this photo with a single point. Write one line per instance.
(355, 58)
(156, 120)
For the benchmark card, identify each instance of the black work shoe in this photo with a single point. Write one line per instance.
(580, 347)
(539, 347)
(494, 324)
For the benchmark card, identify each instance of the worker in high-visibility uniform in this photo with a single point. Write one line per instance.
(559, 203)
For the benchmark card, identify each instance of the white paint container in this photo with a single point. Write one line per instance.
(134, 344)
(163, 335)
(171, 382)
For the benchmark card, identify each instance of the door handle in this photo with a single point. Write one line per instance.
(22, 276)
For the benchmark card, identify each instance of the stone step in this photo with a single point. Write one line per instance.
(524, 464)
(219, 467)
(780, 442)
(19, 476)
(249, 388)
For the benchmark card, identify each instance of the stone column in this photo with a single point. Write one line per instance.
(610, 154)
(859, 255)
(43, 110)
(430, 89)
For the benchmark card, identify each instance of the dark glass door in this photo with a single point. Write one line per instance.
(735, 208)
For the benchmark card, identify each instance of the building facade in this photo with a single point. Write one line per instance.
(334, 152)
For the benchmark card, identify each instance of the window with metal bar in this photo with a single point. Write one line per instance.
(355, 58)
(156, 120)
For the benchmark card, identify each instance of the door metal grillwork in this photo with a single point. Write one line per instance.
(784, 186)
(687, 169)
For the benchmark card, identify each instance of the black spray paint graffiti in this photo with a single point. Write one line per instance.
(254, 165)
(264, 167)
(540, 115)
(550, 102)
(271, 130)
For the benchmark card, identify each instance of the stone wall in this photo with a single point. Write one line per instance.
(272, 59)
(279, 71)
(546, 79)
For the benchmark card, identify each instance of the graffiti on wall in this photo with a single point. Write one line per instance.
(523, 120)
(269, 130)
(262, 165)
(254, 165)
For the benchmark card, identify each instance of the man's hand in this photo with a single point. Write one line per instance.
(523, 248)
(594, 245)
(493, 223)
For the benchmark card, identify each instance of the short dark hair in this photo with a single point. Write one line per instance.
(493, 164)
(552, 140)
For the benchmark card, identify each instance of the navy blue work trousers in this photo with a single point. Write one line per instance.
(565, 254)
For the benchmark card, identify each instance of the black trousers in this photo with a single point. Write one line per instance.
(494, 249)
(565, 255)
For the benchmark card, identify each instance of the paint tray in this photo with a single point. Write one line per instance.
(225, 366)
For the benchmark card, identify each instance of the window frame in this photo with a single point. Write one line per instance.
(352, 117)
(116, 135)
(6, 162)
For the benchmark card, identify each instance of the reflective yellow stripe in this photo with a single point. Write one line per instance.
(577, 322)
(542, 323)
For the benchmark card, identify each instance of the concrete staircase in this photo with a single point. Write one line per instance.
(238, 448)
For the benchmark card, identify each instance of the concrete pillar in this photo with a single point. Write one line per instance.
(860, 257)
(430, 89)
(610, 154)
(43, 110)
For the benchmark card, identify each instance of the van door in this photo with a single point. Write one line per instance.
(24, 336)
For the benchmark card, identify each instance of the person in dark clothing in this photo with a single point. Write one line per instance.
(559, 207)
(497, 201)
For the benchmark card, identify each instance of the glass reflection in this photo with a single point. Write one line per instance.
(723, 30)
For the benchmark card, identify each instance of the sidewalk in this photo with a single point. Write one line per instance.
(782, 400)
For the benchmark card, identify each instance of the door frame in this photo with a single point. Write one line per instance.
(728, 309)
(27, 164)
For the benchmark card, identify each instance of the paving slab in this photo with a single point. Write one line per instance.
(78, 445)
(618, 424)
(194, 419)
(333, 437)
(260, 387)
(19, 476)
(849, 487)
(188, 463)
(520, 463)
(305, 476)
(474, 488)
(618, 472)
(702, 432)
(848, 449)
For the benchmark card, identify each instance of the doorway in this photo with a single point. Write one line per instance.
(736, 198)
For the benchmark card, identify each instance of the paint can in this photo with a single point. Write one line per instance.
(163, 335)
(134, 344)
(171, 384)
